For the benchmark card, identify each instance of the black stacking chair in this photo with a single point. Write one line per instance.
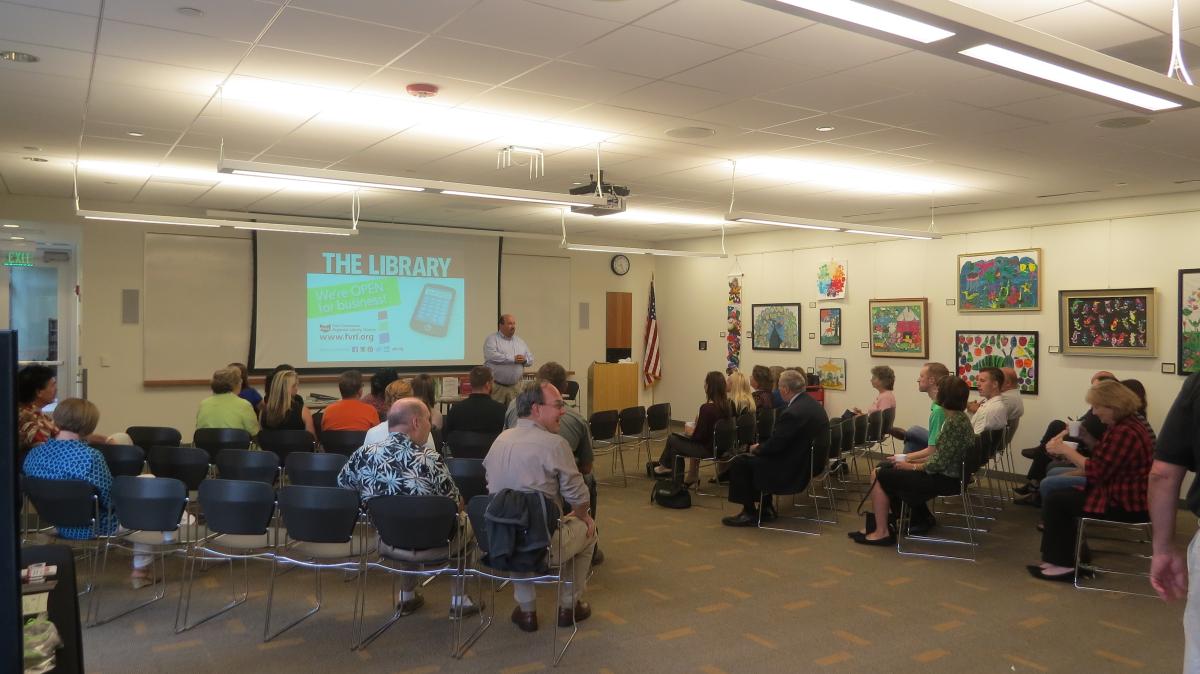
(765, 422)
(571, 395)
(342, 442)
(631, 427)
(123, 459)
(470, 444)
(154, 436)
(658, 426)
(186, 464)
(284, 442)
(70, 504)
(469, 475)
(310, 469)
(246, 464)
(237, 517)
(603, 427)
(213, 440)
(746, 425)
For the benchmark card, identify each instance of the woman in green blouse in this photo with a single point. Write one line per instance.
(918, 477)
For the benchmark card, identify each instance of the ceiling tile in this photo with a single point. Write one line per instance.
(744, 74)
(466, 61)
(824, 49)
(424, 17)
(505, 101)
(730, 24)
(622, 12)
(335, 37)
(392, 83)
(1090, 25)
(111, 70)
(1155, 13)
(328, 141)
(525, 26)
(669, 99)
(51, 60)
(646, 52)
(1061, 107)
(18, 85)
(834, 92)
(134, 106)
(156, 45)
(229, 19)
(36, 25)
(1015, 10)
(753, 114)
(842, 127)
(577, 81)
(889, 139)
(297, 68)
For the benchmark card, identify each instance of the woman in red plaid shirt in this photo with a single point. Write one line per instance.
(1116, 474)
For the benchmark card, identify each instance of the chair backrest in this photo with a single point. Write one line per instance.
(245, 464)
(875, 426)
(847, 436)
(414, 522)
(284, 442)
(319, 514)
(149, 503)
(974, 457)
(342, 442)
(469, 475)
(215, 439)
(63, 503)
(476, 509)
(888, 421)
(835, 438)
(470, 444)
(154, 436)
(123, 459)
(819, 458)
(318, 418)
(860, 429)
(746, 425)
(572, 391)
(632, 420)
(765, 418)
(725, 436)
(238, 507)
(658, 417)
(314, 470)
(603, 424)
(186, 464)
(993, 442)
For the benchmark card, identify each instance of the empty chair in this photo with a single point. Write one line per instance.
(469, 475)
(154, 436)
(189, 465)
(311, 469)
(69, 508)
(245, 464)
(658, 426)
(603, 427)
(284, 442)
(342, 442)
(571, 395)
(213, 440)
(123, 459)
(470, 444)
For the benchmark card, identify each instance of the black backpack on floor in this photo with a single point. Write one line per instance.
(670, 493)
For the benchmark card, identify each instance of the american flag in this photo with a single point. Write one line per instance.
(652, 369)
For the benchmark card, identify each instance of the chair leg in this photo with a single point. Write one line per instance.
(161, 559)
(267, 634)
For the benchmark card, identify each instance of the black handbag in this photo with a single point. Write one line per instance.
(670, 493)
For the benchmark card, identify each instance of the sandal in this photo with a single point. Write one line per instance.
(139, 579)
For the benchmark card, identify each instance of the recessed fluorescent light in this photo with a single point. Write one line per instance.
(640, 251)
(892, 234)
(872, 17)
(825, 129)
(18, 57)
(296, 229)
(135, 134)
(145, 219)
(17, 238)
(10, 225)
(506, 197)
(327, 181)
(185, 221)
(781, 223)
(1007, 58)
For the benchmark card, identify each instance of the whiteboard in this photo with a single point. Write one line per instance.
(197, 299)
(536, 289)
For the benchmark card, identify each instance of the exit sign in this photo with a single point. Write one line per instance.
(18, 258)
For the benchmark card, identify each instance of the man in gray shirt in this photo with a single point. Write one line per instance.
(532, 457)
(508, 356)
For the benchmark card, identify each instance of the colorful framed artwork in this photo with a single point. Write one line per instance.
(900, 327)
(832, 372)
(831, 280)
(1006, 280)
(776, 327)
(977, 349)
(1107, 322)
(1189, 321)
(831, 327)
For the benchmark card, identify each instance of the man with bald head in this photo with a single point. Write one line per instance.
(508, 356)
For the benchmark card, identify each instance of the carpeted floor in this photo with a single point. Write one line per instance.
(681, 593)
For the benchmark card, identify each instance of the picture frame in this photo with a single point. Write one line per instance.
(899, 328)
(775, 327)
(1189, 322)
(1116, 322)
(1000, 281)
(831, 326)
(832, 278)
(832, 373)
(1018, 349)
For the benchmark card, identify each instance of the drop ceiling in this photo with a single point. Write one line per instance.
(557, 74)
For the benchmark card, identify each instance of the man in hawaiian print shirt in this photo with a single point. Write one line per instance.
(401, 464)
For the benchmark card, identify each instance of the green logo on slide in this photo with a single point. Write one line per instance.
(345, 298)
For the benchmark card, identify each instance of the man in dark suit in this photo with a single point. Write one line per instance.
(784, 461)
(477, 412)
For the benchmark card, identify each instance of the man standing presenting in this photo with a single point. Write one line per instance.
(508, 356)
(990, 414)
(917, 438)
(532, 457)
(1171, 574)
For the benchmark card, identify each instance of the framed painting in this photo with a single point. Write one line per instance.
(776, 327)
(900, 327)
(1006, 280)
(1189, 321)
(1107, 322)
(977, 349)
(831, 280)
(831, 326)
(832, 372)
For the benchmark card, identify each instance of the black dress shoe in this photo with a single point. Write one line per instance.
(862, 539)
(1026, 488)
(1037, 572)
(1031, 452)
(742, 519)
(526, 620)
(582, 612)
(1033, 499)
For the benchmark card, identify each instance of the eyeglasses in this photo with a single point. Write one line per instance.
(557, 404)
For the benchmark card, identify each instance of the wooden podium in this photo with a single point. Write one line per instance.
(612, 386)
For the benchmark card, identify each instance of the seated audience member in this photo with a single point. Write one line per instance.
(270, 377)
(533, 458)
(1041, 460)
(917, 438)
(224, 408)
(425, 388)
(1010, 393)
(349, 413)
(698, 443)
(776, 397)
(740, 394)
(916, 478)
(37, 387)
(780, 461)
(377, 397)
(244, 390)
(763, 384)
(401, 464)
(398, 389)
(991, 414)
(284, 409)
(477, 412)
(1116, 472)
(883, 380)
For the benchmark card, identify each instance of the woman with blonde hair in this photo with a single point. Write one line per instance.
(740, 393)
(284, 409)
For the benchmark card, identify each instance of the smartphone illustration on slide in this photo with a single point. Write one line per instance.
(432, 315)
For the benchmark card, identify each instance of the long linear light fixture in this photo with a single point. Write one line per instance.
(828, 226)
(211, 222)
(384, 182)
(967, 35)
(640, 251)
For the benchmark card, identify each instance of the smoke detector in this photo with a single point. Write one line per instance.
(422, 90)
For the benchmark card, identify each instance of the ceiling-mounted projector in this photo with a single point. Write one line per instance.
(615, 195)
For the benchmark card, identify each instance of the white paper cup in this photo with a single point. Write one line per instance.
(900, 458)
(1073, 429)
